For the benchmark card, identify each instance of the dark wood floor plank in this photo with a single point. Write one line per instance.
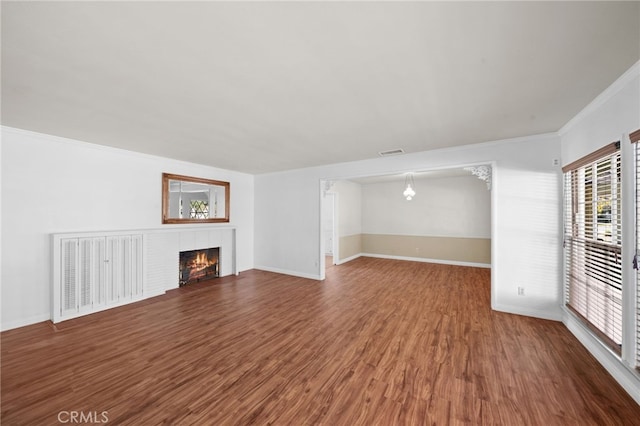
(379, 342)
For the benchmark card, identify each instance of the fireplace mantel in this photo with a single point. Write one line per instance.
(133, 264)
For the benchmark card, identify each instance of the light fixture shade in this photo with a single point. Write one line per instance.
(409, 192)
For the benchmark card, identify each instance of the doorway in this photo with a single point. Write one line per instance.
(329, 228)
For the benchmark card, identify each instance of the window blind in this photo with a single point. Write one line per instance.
(635, 137)
(593, 242)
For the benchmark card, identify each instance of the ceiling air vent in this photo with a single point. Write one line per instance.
(391, 152)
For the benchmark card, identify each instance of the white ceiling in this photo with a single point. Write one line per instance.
(269, 86)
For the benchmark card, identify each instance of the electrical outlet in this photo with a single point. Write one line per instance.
(555, 162)
(520, 291)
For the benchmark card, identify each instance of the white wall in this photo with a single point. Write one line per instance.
(614, 113)
(52, 185)
(443, 207)
(611, 117)
(349, 208)
(526, 226)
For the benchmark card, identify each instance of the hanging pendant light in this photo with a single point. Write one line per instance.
(409, 192)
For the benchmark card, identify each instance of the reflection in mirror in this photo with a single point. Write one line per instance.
(193, 200)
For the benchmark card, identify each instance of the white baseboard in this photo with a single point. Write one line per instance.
(154, 293)
(422, 259)
(23, 322)
(535, 313)
(348, 259)
(288, 272)
(623, 374)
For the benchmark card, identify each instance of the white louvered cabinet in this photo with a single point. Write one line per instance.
(97, 273)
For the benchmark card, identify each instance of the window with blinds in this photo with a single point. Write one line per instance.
(593, 242)
(635, 257)
(635, 138)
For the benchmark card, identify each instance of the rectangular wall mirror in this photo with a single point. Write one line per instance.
(187, 199)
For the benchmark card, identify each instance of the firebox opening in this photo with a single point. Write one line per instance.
(198, 265)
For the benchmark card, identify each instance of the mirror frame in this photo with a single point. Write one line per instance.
(165, 199)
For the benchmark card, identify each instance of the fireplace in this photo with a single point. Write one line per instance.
(198, 265)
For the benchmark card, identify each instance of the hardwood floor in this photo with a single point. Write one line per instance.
(379, 342)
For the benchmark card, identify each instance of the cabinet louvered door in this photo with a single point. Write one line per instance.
(124, 260)
(99, 271)
(86, 264)
(123, 268)
(92, 273)
(136, 265)
(130, 267)
(112, 269)
(69, 278)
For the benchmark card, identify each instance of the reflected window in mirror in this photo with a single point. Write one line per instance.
(187, 199)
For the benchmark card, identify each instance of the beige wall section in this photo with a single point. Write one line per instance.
(472, 250)
(350, 245)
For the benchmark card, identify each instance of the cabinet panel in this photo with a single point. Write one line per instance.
(161, 264)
